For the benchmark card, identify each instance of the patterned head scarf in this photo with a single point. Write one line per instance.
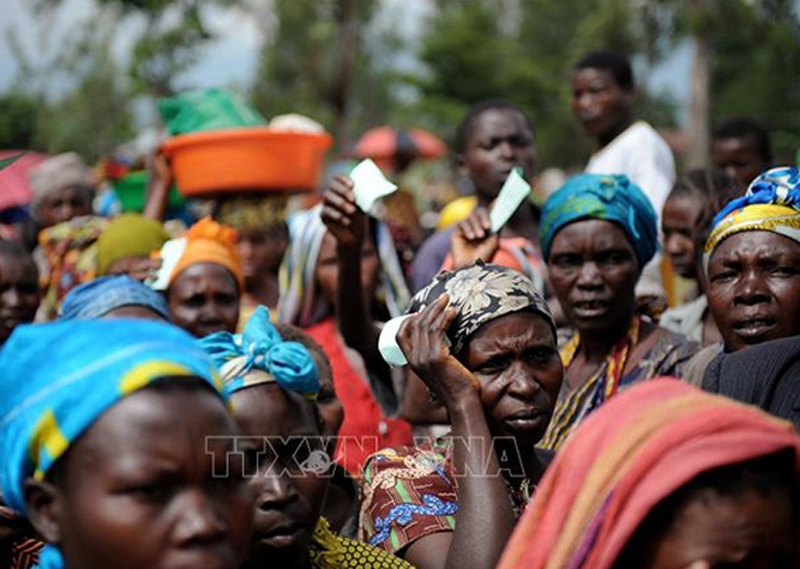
(129, 235)
(96, 298)
(772, 203)
(636, 450)
(300, 303)
(481, 293)
(206, 242)
(610, 198)
(59, 378)
(260, 355)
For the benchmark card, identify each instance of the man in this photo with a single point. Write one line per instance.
(741, 147)
(603, 99)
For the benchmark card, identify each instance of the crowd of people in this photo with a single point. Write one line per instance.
(610, 380)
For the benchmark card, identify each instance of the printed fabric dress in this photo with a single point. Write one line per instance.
(408, 493)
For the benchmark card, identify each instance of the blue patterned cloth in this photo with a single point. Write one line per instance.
(59, 378)
(608, 197)
(96, 298)
(260, 355)
(779, 186)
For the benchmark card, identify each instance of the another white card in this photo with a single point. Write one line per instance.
(370, 185)
(514, 191)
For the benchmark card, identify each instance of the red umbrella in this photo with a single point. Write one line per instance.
(386, 142)
(14, 187)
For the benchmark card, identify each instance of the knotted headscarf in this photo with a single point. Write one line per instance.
(260, 355)
(607, 197)
(206, 242)
(772, 203)
(479, 294)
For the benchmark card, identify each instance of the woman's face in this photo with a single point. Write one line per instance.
(750, 531)
(327, 273)
(286, 464)
(64, 204)
(679, 224)
(516, 361)
(19, 293)
(204, 299)
(150, 485)
(754, 288)
(500, 141)
(594, 270)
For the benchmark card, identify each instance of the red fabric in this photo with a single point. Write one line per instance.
(633, 452)
(365, 429)
(15, 190)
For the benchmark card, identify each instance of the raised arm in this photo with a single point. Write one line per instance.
(485, 519)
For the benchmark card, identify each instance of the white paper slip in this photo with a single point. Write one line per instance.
(387, 342)
(370, 184)
(514, 191)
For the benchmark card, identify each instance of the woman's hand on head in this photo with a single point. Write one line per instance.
(341, 215)
(473, 239)
(422, 339)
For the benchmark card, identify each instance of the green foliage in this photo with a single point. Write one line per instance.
(17, 120)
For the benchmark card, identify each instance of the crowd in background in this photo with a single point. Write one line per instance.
(609, 380)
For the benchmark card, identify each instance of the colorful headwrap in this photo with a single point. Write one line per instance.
(300, 304)
(481, 293)
(636, 450)
(772, 203)
(129, 235)
(608, 197)
(59, 378)
(92, 300)
(206, 242)
(260, 355)
(244, 212)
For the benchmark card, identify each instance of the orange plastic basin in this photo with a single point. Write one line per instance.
(246, 159)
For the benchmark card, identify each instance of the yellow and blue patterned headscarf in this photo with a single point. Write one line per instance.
(260, 355)
(59, 378)
(772, 203)
(608, 197)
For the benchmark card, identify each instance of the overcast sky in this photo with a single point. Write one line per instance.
(232, 58)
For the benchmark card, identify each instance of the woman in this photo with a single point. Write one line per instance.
(273, 384)
(360, 254)
(483, 341)
(752, 261)
(667, 476)
(684, 222)
(202, 278)
(113, 448)
(126, 244)
(598, 232)
(19, 288)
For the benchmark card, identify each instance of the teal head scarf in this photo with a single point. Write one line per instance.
(607, 197)
(260, 355)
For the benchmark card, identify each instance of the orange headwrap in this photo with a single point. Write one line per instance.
(209, 242)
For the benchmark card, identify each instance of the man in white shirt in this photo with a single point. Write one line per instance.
(603, 97)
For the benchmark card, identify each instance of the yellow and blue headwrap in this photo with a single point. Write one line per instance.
(59, 378)
(260, 355)
(772, 203)
(610, 198)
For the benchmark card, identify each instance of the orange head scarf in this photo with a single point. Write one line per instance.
(208, 242)
(628, 456)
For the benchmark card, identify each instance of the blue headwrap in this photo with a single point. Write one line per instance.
(96, 298)
(260, 355)
(59, 378)
(608, 197)
(779, 186)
